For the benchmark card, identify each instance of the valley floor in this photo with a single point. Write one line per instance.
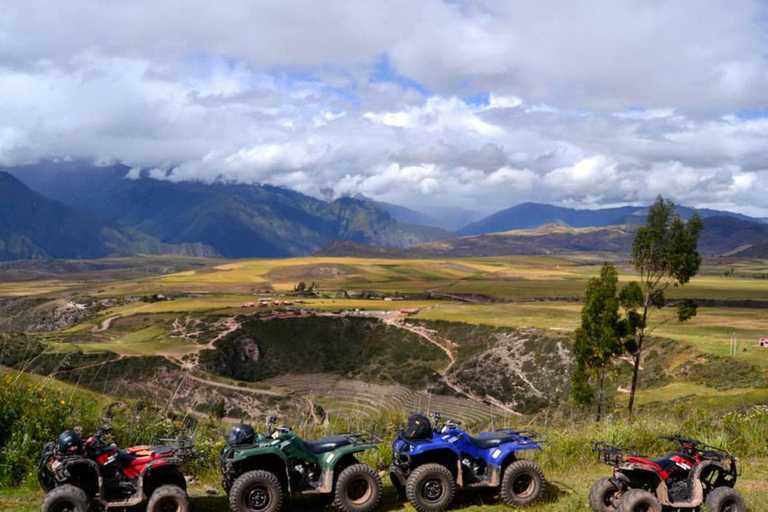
(480, 339)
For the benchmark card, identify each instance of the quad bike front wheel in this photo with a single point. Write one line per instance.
(168, 498)
(358, 489)
(66, 498)
(256, 491)
(638, 500)
(522, 483)
(430, 488)
(725, 499)
(604, 495)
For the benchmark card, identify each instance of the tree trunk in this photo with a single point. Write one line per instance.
(636, 369)
(600, 398)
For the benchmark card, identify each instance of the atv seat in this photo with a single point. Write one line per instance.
(491, 440)
(327, 444)
(662, 462)
(164, 449)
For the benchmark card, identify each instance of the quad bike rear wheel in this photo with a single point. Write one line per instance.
(66, 498)
(430, 488)
(358, 489)
(724, 499)
(168, 498)
(256, 491)
(522, 483)
(604, 495)
(638, 500)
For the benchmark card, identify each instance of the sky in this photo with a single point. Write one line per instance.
(431, 104)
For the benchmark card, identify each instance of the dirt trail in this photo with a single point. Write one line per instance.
(227, 326)
(445, 346)
(105, 324)
(235, 388)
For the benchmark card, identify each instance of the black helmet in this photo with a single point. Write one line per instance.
(69, 443)
(242, 434)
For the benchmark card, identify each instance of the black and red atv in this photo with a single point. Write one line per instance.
(697, 475)
(74, 474)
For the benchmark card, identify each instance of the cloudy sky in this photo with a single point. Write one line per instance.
(431, 103)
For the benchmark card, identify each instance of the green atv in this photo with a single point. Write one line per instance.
(257, 469)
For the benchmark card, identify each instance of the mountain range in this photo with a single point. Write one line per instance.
(534, 215)
(234, 220)
(721, 236)
(33, 226)
(75, 210)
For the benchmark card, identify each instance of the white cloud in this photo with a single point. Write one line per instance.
(438, 114)
(589, 176)
(587, 103)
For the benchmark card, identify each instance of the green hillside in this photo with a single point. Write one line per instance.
(34, 227)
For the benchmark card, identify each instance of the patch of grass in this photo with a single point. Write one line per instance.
(722, 372)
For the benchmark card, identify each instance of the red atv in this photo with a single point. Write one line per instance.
(695, 476)
(73, 474)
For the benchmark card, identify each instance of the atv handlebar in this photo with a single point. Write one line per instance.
(437, 425)
(684, 441)
(97, 439)
(694, 446)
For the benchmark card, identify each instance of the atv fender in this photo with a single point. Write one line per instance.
(499, 458)
(329, 463)
(694, 482)
(331, 459)
(437, 450)
(155, 464)
(271, 458)
(419, 450)
(74, 470)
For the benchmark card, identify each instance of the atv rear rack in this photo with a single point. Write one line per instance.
(185, 446)
(612, 455)
(362, 437)
(528, 434)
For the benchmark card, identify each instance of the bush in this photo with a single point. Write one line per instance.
(31, 415)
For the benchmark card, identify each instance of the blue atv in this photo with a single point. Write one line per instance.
(428, 463)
